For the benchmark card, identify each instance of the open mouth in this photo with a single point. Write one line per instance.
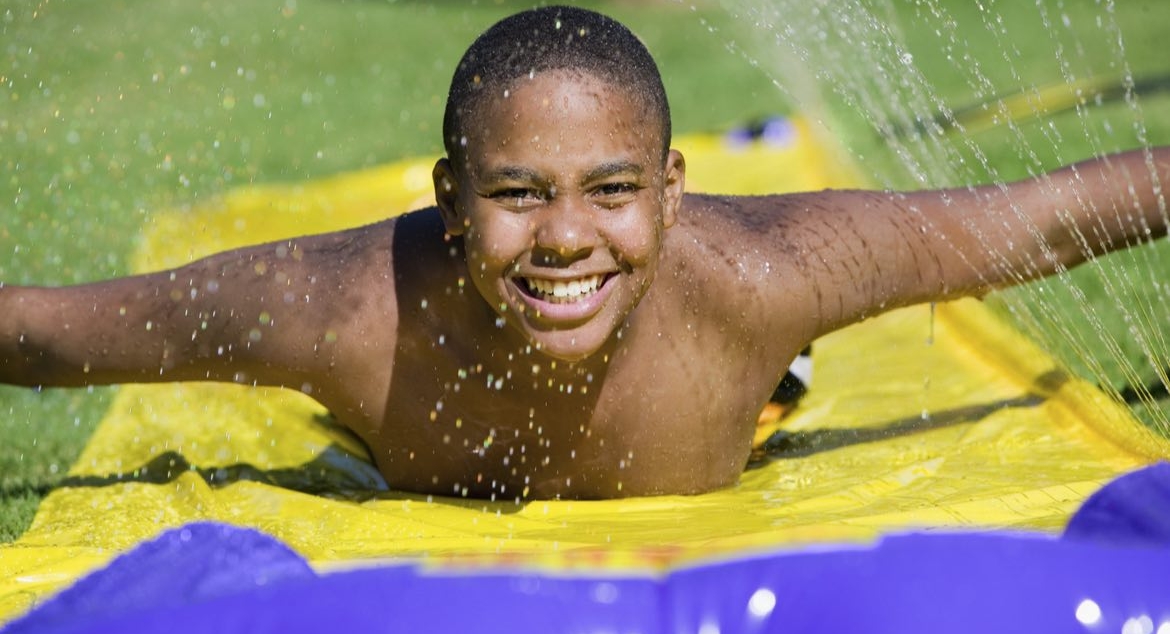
(562, 291)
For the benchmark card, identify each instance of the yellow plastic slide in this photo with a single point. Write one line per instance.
(921, 419)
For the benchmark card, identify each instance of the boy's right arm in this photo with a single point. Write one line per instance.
(274, 314)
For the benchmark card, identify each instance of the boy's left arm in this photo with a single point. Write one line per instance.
(1029, 229)
(862, 253)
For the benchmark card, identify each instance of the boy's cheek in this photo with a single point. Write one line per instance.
(639, 240)
(502, 231)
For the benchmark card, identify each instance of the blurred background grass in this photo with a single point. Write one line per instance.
(111, 110)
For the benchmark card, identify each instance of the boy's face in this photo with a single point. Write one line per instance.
(562, 200)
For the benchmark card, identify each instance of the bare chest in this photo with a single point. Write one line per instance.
(517, 425)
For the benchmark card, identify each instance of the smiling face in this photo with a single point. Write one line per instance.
(562, 196)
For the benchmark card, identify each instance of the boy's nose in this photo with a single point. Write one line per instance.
(564, 234)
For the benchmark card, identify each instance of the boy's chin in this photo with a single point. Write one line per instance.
(568, 346)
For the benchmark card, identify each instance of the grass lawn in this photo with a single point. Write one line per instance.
(114, 109)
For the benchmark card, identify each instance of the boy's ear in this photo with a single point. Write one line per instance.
(675, 182)
(447, 196)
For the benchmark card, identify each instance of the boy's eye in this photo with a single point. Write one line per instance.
(616, 188)
(517, 196)
(615, 193)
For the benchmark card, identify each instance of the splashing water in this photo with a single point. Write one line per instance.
(1051, 83)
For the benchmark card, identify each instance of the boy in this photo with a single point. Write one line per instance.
(565, 315)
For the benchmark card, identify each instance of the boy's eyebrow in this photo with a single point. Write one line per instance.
(521, 173)
(513, 172)
(612, 168)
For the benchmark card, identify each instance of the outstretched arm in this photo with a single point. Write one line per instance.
(861, 253)
(1022, 231)
(271, 314)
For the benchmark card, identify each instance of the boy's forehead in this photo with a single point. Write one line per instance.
(559, 109)
(559, 93)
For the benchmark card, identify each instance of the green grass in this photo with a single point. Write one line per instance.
(114, 109)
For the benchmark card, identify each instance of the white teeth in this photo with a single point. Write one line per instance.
(562, 290)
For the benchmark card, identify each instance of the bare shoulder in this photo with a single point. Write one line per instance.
(765, 240)
(809, 263)
(323, 311)
(742, 262)
(304, 311)
(352, 285)
(320, 277)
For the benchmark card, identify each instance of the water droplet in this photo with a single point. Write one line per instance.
(761, 603)
(1088, 612)
(1138, 625)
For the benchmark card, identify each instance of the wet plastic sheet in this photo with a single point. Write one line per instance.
(919, 419)
(213, 577)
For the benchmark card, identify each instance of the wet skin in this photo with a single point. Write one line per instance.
(439, 337)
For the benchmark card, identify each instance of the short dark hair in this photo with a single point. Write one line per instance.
(552, 38)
